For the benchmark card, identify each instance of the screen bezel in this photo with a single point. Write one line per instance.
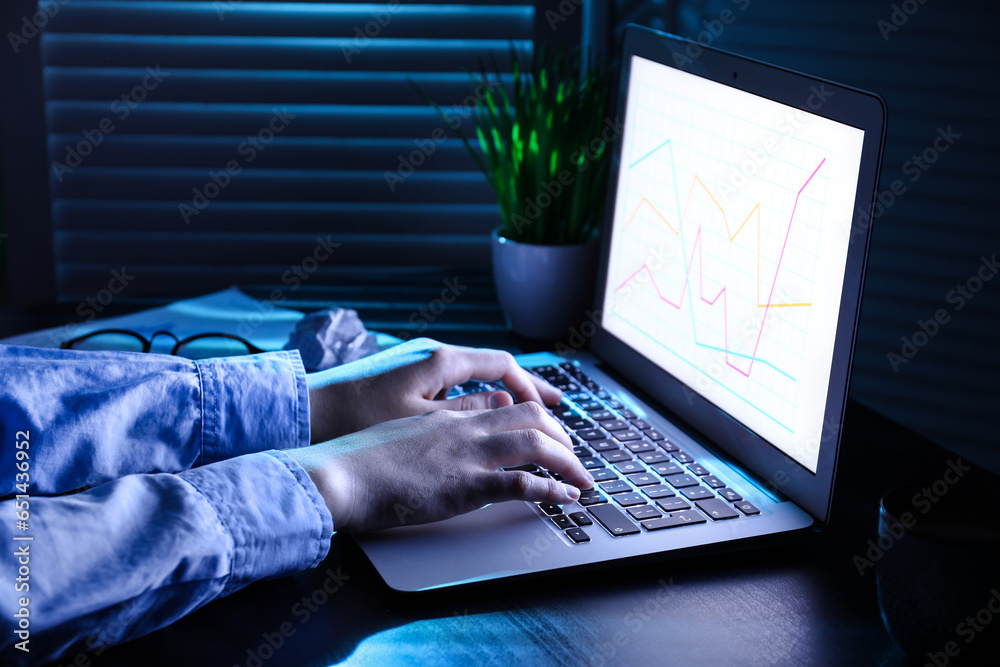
(860, 109)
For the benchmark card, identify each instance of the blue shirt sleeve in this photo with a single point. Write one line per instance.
(98, 416)
(190, 497)
(134, 555)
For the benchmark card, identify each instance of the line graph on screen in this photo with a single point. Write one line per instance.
(719, 276)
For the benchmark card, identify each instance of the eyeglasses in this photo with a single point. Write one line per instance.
(199, 346)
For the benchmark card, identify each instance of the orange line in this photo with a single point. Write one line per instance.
(658, 214)
(725, 220)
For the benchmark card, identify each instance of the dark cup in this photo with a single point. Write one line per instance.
(939, 573)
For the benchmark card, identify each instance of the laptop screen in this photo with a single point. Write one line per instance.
(729, 245)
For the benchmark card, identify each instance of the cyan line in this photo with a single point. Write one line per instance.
(649, 153)
(747, 356)
(692, 365)
(694, 327)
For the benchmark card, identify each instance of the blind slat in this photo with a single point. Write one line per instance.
(284, 53)
(290, 19)
(264, 86)
(266, 184)
(315, 217)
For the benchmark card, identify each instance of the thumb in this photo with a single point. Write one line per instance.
(479, 401)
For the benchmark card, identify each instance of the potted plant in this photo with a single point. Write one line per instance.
(545, 152)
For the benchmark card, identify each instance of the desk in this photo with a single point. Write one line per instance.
(800, 604)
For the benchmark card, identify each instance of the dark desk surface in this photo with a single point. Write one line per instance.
(799, 604)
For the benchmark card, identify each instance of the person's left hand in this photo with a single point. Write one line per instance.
(411, 379)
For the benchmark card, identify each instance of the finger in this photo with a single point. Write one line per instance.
(484, 400)
(461, 364)
(512, 448)
(524, 416)
(516, 485)
(549, 394)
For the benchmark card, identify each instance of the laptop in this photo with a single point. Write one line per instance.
(709, 406)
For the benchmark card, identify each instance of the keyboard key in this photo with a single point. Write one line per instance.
(603, 394)
(590, 406)
(542, 474)
(527, 467)
(562, 411)
(613, 520)
(577, 535)
(591, 462)
(614, 425)
(578, 423)
(681, 481)
(616, 404)
(643, 479)
(730, 495)
(672, 504)
(713, 482)
(683, 457)
(644, 512)
(591, 497)
(562, 521)
(602, 445)
(669, 468)
(666, 445)
(601, 415)
(626, 435)
(616, 455)
(658, 491)
(719, 510)
(641, 424)
(603, 474)
(617, 486)
(629, 467)
(576, 395)
(550, 510)
(698, 469)
(626, 413)
(582, 451)
(591, 434)
(629, 499)
(746, 508)
(653, 434)
(581, 519)
(674, 520)
(655, 456)
(637, 446)
(696, 493)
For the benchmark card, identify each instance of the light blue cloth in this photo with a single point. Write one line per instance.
(188, 496)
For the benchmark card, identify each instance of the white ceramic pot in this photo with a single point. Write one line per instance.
(544, 289)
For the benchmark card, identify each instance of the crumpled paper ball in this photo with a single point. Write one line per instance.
(330, 338)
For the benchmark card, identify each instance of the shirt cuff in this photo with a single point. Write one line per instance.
(277, 519)
(251, 404)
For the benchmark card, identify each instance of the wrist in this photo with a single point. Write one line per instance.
(333, 482)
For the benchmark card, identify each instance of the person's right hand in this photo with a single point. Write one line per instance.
(439, 464)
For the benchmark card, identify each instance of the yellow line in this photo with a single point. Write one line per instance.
(725, 220)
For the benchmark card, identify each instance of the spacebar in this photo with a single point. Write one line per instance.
(612, 519)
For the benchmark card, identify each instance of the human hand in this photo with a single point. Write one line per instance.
(410, 379)
(442, 463)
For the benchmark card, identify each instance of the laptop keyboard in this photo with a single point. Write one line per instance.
(645, 482)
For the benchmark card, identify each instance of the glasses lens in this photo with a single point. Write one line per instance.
(110, 341)
(212, 346)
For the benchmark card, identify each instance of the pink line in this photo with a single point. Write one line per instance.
(722, 292)
(778, 268)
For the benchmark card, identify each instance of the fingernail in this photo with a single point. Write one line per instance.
(494, 401)
(570, 493)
